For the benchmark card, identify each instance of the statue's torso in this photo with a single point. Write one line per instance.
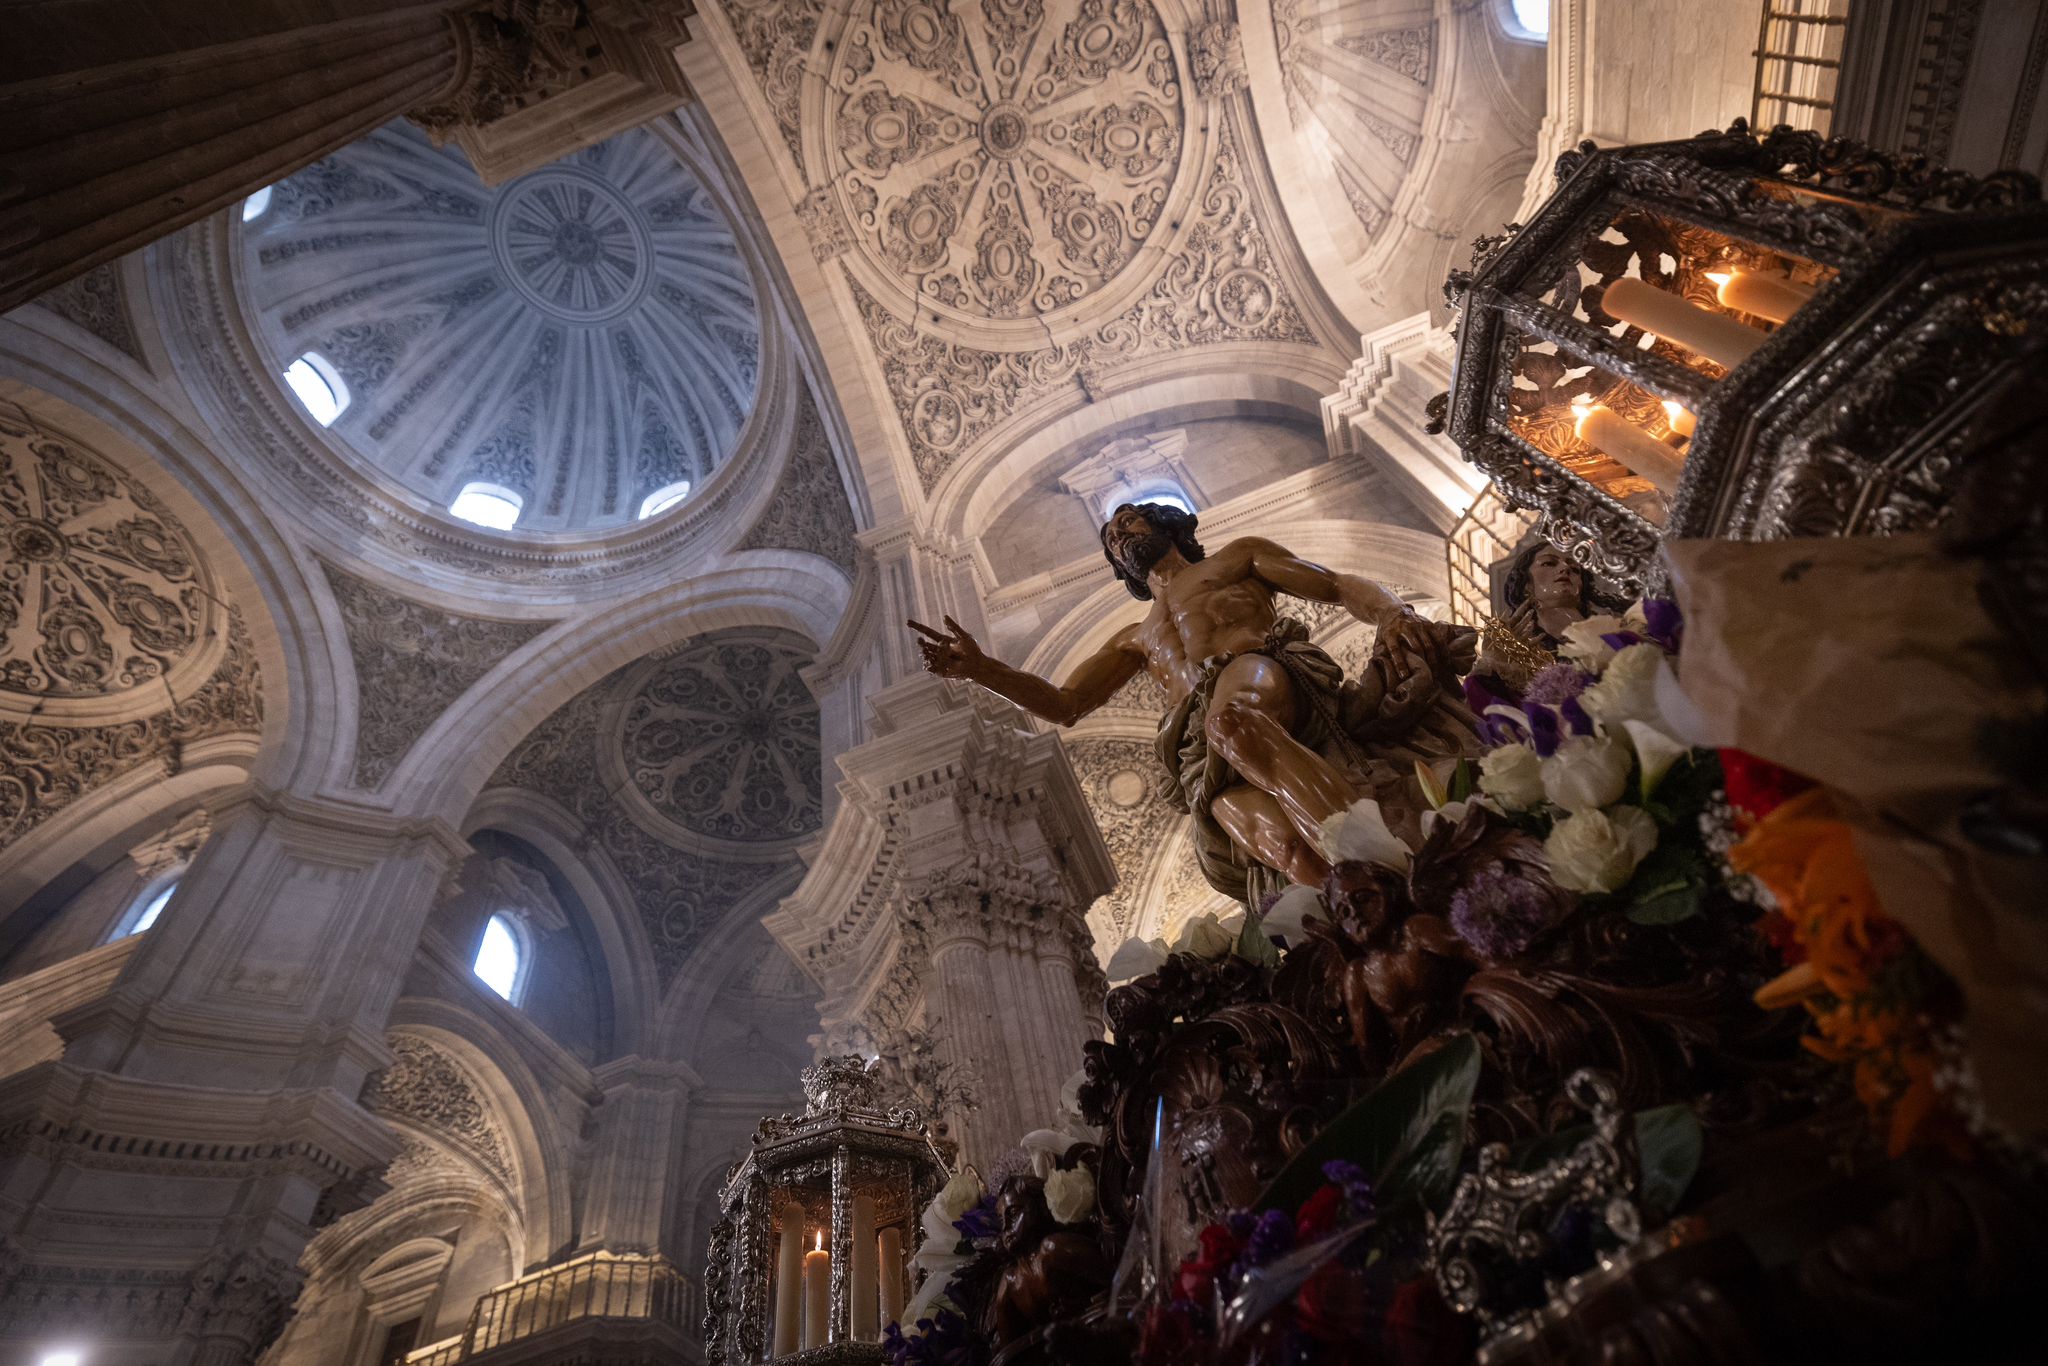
(1216, 607)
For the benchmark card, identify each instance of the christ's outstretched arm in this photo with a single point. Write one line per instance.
(958, 655)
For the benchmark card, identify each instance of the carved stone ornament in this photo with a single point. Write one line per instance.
(809, 510)
(1216, 59)
(1224, 286)
(1363, 112)
(104, 596)
(96, 302)
(507, 50)
(684, 881)
(412, 662)
(427, 1087)
(1012, 174)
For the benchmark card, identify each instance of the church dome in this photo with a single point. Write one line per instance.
(578, 347)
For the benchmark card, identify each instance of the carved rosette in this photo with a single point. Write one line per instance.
(1002, 161)
(427, 1087)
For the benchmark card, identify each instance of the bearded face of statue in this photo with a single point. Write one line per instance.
(1134, 542)
(1554, 581)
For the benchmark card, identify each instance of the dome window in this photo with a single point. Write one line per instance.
(501, 959)
(664, 498)
(1528, 19)
(319, 387)
(491, 505)
(256, 205)
(144, 910)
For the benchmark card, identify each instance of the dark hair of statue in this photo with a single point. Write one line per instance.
(1516, 590)
(1178, 525)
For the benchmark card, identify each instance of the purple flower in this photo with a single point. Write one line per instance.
(940, 1341)
(1664, 622)
(1555, 684)
(1544, 731)
(1621, 640)
(1272, 1237)
(1350, 1178)
(1498, 914)
(980, 1221)
(1575, 717)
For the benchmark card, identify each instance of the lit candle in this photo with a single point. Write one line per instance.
(817, 1285)
(1682, 420)
(864, 1327)
(1716, 336)
(789, 1262)
(1767, 296)
(1643, 454)
(892, 1275)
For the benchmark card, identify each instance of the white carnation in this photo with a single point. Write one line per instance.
(1291, 913)
(1206, 937)
(960, 1194)
(1587, 772)
(1513, 776)
(1597, 851)
(1135, 957)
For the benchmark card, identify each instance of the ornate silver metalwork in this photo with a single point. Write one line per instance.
(1494, 1230)
(1846, 421)
(851, 1140)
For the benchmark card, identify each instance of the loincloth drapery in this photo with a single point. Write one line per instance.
(1372, 729)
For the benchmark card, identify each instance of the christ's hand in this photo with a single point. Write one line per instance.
(950, 656)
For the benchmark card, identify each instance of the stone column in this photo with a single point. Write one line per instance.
(159, 1181)
(121, 123)
(636, 1154)
(943, 915)
(1377, 415)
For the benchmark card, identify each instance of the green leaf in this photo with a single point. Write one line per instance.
(1461, 781)
(1668, 1141)
(1252, 943)
(1667, 885)
(1407, 1135)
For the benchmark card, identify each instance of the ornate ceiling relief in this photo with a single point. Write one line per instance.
(97, 303)
(117, 644)
(809, 510)
(1357, 75)
(776, 37)
(412, 661)
(1127, 790)
(695, 772)
(583, 335)
(425, 1086)
(1222, 285)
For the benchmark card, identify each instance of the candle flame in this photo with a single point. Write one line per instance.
(1582, 408)
(821, 1240)
(1721, 277)
(1673, 411)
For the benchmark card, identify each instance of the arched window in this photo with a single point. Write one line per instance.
(664, 498)
(143, 911)
(61, 1359)
(256, 205)
(319, 386)
(1528, 20)
(502, 961)
(491, 505)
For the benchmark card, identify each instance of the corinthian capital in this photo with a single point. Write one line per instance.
(508, 52)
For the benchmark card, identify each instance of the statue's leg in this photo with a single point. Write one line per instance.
(1254, 820)
(1252, 715)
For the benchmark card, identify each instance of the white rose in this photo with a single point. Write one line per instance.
(1134, 958)
(1291, 913)
(1587, 772)
(1596, 851)
(1205, 937)
(1513, 776)
(1070, 1195)
(1628, 690)
(1583, 646)
(960, 1194)
(1359, 834)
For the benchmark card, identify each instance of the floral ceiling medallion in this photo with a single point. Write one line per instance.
(997, 162)
(105, 604)
(572, 245)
